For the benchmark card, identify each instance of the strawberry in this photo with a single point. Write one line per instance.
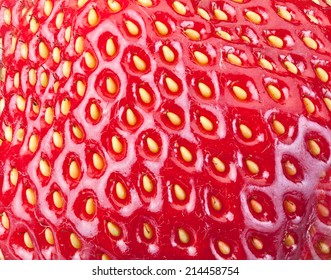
(170, 129)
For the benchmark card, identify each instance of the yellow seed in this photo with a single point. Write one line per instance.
(152, 145)
(48, 7)
(98, 161)
(252, 167)
(324, 248)
(74, 170)
(79, 44)
(31, 196)
(77, 132)
(32, 76)
(246, 39)
(20, 103)
(192, 34)
(8, 133)
(34, 25)
(57, 139)
(313, 18)
(174, 118)
(314, 148)
(240, 93)
(59, 20)
(275, 41)
(132, 28)
(264, 63)
(220, 15)
(44, 79)
(131, 117)
(186, 154)
(172, 85)
(204, 90)
(45, 168)
(67, 34)
(35, 107)
(105, 257)
(201, 58)
(120, 190)
(147, 184)
(16, 78)
(43, 50)
(13, 44)
(49, 115)
(145, 3)
(13, 176)
(56, 55)
(253, 17)
(33, 143)
(116, 145)
(323, 210)
(81, 88)
(75, 242)
(5, 220)
(290, 206)
(114, 229)
(145, 96)
(148, 231)
(139, 63)
(223, 247)
(245, 131)
(206, 123)
(322, 74)
(27, 240)
(65, 106)
(90, 206)
(179, 192)
(278, 127)
(290, 168)
(256, 206)
(90, 60)
(218, 164)
(257, 243)
(66, 68)
(203, 13)
(93, 17)
(215, 203)
(20, 134)
(274, 92)
(24, 50)
(234, 59)
(310, 43)
(114, 6)
(290, 67)
(168, 54)
(2, 105)
(7, 16)
(183, 235)
(310, 107)
(58, 200)
(95, 112)
(161, 28)
(49, 236)
(179, 8)
(285, 14)
(110, 47)
(111, 86)
(289, 240)
(224, 35)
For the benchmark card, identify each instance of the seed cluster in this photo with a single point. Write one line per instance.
(118, 115)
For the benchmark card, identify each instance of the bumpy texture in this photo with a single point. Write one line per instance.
(156, 129)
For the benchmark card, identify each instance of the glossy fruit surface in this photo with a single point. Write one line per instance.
(165, 129)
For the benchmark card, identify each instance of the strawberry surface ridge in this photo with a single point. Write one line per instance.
(165, 130)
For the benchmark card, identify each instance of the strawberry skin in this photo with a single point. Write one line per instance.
(150, 129)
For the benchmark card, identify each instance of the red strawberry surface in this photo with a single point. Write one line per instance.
(151, 129)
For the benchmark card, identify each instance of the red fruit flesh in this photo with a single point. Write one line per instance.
(165, 129)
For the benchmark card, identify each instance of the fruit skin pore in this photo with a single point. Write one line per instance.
(165, 129)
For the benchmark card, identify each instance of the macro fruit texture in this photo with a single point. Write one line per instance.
(169, 129)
